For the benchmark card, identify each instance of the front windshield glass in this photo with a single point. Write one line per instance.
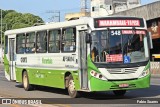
(118, 46)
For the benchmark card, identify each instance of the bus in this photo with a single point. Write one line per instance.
(90, 54)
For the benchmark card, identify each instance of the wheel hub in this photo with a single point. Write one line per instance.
(71, 86)
(25, 81)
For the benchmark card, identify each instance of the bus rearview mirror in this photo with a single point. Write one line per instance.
(88, 38)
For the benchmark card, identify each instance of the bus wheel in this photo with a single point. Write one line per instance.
(71, 87)
(119, 92)
(26, 84)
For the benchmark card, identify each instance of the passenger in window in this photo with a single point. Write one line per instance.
(94, 53)
(27, 49)
(39, 49)
(53, 47)
(66, 48)
(34, 48)
(21, 49)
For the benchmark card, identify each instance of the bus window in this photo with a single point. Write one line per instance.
(20, 44)
(54, 41)
(69, 40)
(41, 42)
(30, 42)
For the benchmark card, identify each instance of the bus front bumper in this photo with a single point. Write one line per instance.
(101, 85)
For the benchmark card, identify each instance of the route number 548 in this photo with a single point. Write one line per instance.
(115, 32)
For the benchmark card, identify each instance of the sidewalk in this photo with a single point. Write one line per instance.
(155, 69)
(155, 75)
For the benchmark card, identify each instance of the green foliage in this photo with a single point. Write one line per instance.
(15, 20)
(19, 25)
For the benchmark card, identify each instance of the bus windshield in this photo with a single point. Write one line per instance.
(119, 46)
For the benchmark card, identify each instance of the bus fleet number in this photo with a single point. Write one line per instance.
(23, 59)
(115, 32)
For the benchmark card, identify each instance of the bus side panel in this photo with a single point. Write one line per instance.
(45, 77)
(6, 65)
(53, 78)
(52, 75)
(19, 74)
(56, 78)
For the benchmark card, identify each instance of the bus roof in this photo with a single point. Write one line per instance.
(56, 25)
(48, 26)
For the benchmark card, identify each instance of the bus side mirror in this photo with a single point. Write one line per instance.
(88, 38)
(150, 40)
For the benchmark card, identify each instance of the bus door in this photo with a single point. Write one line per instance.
(12, 58)
(83, 61)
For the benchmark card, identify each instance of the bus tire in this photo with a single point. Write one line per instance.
(71, 88)
(119, 92)
(26, 84)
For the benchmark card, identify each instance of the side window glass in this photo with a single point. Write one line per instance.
(69, 40)
(54, 41)
(41, 46)
(30, 42)
(20, 41)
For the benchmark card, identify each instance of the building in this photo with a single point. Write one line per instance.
(84, 12)
(72, 16)
(107, 7)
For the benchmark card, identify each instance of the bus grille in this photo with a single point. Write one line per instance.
(123, 70)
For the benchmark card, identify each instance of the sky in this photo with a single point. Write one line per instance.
(43, 8)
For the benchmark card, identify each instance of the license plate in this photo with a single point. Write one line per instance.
(123, 85)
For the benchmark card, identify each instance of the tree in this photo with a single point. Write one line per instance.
(19, 25)
(15, 20)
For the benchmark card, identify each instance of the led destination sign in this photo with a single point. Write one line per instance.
(133, 32)
(118, 22)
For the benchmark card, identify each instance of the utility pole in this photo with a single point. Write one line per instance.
(1, 28)
(56, 14)
(83, 5)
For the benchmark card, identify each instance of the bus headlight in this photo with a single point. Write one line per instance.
(144, 73)
(97, 75)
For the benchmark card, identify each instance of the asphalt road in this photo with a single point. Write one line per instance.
(15, 90)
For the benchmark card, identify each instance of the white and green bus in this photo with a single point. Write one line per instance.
(88, 54)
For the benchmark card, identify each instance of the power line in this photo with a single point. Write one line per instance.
(56, 15)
